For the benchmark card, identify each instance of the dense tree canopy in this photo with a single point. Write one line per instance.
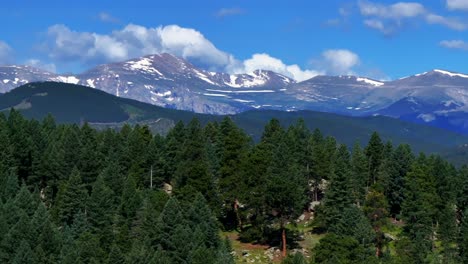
(73, 194)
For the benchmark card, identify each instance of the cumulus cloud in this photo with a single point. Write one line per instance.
(132, 41)
(224, 12)
(457, 4)
(66, 45)
(339, 61)
(454, 44)
(266, 62)
(388, 18)
(6, 53)
(50, 67)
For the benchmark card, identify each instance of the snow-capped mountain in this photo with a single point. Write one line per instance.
(13, 76)
(436, 97)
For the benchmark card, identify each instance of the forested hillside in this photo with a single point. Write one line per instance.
(72, 194)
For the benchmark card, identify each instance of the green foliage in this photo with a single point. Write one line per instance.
(341, 249)
(297, 258)
(72, 194)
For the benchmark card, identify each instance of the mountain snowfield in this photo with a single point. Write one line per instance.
(436, 97)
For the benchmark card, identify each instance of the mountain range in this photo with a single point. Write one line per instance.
(70, 103)
(437, 97)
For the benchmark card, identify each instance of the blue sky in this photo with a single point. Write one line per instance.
(379, 39)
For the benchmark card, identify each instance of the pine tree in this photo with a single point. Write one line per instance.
(173, 235)
(48, 171)
(463, 238)
(9, 186)
(115, 255)
(374, 152)
(233, 151)
(359, 169)
(285, 189)
(418, 208)
(22, 144)
(447, 231)
(24, 254)
(200, 217)
(338, 194)
(375, 208)
(6, 149)
(89, 250)
(101, 210)
(20, 231)
(71, 199)
(193, 173)
(25, 201)
(400, 162)
(341, 249)
(89, 162)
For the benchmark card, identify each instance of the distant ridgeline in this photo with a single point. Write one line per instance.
(69, 103)
(72, 194)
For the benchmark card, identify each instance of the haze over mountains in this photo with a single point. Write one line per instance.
(438, 97)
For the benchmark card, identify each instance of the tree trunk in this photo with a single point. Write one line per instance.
(283, 236)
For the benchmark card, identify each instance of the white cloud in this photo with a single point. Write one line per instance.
(457, 4)
(68, 46)
(224, 12)
(50, 67)
(6, 53)
(395, 15)
(108, 18)
(445, 21)
(266, 62)
(454, 44)
(379, 25)
(132, 41)
(394, 11)
(339, 61)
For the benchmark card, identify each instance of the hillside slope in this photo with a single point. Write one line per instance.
(70, 103)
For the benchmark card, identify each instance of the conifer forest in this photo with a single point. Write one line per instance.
(73, 194)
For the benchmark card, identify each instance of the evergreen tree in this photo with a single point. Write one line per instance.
(101, 210)
(341, 249)
(374, 152)
(285, 190)
(71, 199)
(418, 208)
(359, 175)
(400, 164)
(193, 173)
(89, 162)
(375, 208)
(233, 150)
(24, 254)
(463, 238)
(338, 194)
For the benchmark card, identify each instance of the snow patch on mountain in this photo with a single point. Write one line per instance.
(427, 117)
(241, 91)
(369, 81)
(68, 79)
(144, 64)
(451, 74)
(203, 77)
(90, 83)
(215, 95)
